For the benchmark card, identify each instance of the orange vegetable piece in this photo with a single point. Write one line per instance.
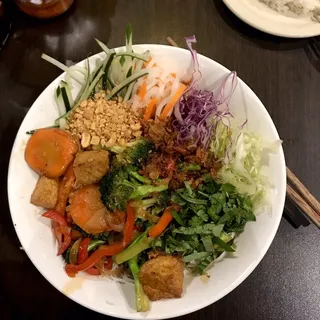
(182, 88)
(50, 151)
(146, 63)
(151, 109)
(161, 225)
(143, 91)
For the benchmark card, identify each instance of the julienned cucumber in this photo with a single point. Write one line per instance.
(84, 96)
(108, 62)
(133, 55)
(63, 98)
(102, 46)
(125, 83)
(138, 68)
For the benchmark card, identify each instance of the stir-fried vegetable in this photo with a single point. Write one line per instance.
(142, 300)
(137, 246)
(162, 224)
(62, 228)
(136, 152)
(121, 185)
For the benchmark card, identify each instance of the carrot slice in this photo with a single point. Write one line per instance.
(50, 151)
(161, 225)
(182, 88)
(146, 63)
(151, 109)
(174, 75)
(143, 91)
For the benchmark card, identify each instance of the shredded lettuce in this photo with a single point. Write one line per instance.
(245, 168)
(221, 140)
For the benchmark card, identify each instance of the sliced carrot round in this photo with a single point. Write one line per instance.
(50, 151)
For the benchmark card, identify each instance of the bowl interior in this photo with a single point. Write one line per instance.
(116, 297)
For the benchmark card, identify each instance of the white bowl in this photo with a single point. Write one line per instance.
(116, 298)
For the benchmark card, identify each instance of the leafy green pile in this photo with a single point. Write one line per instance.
(206, 224)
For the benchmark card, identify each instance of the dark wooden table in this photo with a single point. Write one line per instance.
(283, 73)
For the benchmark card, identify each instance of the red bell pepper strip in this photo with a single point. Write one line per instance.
(83, 250)
(108, 264)
(129, 226)
(104, 250)
(62, 227)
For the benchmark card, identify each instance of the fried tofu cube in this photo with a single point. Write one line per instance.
(45, 193)
(162, 277)
(90, 166)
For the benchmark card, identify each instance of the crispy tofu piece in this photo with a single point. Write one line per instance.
(90, 166)
(45, 193)
(162, 277)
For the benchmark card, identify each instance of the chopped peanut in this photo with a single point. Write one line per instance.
(106, 123)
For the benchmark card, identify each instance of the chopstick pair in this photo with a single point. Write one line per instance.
(301, 196)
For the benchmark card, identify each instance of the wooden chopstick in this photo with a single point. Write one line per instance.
(171, 42)
(312, 201)
(303, 205)
(305, 200)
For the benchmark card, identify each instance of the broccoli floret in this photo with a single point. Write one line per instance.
(163, 199)
(123, 184)
(135, 153)
(156, 204)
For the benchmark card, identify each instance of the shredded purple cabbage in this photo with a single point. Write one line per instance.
(200, 110)
(193, 74)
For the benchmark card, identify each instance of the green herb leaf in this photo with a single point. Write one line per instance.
(226, 247)
(195, 256)
(207, 229)
(177, 217)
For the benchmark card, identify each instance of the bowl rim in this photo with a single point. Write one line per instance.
(208, 301)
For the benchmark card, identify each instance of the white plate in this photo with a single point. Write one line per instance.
(261, 17)
(116, 298)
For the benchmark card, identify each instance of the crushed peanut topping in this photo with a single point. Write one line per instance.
(105, 123)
